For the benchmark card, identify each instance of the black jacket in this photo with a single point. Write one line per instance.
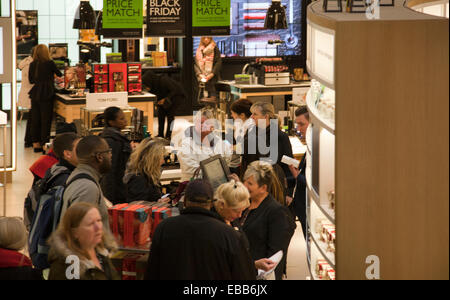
(299, 201)
(284, 148)
(112, 183)
(43, 80)
(198, 245)
(138, 187)
(164, 87)
(269, 228)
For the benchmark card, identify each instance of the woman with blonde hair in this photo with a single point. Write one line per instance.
(142, 178)
(42, 73)
(269, 225)
(231, 199)
(277, 144)
(80, 247)
(13, 264)
(208, 63)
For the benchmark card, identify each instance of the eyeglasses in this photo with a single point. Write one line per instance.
(106, 151)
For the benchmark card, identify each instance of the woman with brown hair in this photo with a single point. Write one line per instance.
(80, 247)
(208, 63)
(42, 73)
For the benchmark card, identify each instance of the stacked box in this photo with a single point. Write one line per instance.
(137, 226)
(134, 78)
(116, 220)
(130, 265)
(118, 77)
(101, 78)
(159, 214)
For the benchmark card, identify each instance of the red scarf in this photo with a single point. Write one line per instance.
(12, 259)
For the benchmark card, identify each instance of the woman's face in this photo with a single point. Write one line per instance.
(230, 214)
(120, 122)
(260, 119)
(237, 116)
(90, 231)
(206, 41)
(253, 188)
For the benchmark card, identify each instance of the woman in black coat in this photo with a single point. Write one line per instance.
(42, 73)
(112, 185)
(144, 171)
(269, 225)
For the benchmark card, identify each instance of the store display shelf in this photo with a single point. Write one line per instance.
(326, 211)
(313, 75)
(321, 246)
(314, 113)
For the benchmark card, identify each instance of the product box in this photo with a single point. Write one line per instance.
(75, 77)
(101, 88)
(113, 58)
(159, 59)
(158, 215)
(101, 69)
(101, 78)
(130, 265)
(118, 77)
(322, 268)
(134, 77)
(134, 68)
(116, 220)
(137, 226)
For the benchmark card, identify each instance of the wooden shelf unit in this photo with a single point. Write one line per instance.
(391, 140)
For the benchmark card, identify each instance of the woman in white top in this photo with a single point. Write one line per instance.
(240, 112)
(24, 100)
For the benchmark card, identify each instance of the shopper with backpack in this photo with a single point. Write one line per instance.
(94, 160)
(64, 146)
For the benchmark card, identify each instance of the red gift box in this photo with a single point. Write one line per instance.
(118, 77)
(116, 220)
(159, 214)
(137, 226)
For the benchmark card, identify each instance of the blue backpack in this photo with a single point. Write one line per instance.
(45, 221)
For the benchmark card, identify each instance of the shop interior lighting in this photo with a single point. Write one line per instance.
(276, 16)
(84, 16)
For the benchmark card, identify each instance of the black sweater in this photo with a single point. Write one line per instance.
(42, 76)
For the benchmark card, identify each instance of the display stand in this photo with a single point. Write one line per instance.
(386, 154)
(3, 170)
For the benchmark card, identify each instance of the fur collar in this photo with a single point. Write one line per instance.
(60, 251)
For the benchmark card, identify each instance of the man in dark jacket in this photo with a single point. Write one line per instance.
(198, 245)
(169, 93)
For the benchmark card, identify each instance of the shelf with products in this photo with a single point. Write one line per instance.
(322, 233)
(365, 155)
(320, 268)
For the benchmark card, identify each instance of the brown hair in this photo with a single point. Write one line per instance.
(202, 40)
(41, 53)
(242, 106)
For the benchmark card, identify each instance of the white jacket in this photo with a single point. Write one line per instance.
(192, 152)
(24, 98)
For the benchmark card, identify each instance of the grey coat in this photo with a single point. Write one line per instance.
(85, 190)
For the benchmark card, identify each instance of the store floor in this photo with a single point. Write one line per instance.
(22, 179)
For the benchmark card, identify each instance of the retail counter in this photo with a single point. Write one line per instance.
(252, 90)
(69, 108)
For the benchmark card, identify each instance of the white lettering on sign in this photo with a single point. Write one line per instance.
(104, 100)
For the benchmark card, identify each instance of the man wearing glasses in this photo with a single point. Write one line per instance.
(94, 160)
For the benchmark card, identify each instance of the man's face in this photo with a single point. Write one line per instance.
(302, 125)
(71, 156)
(205, 126)
(104, 155)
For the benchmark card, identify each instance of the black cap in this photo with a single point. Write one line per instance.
(200, 191)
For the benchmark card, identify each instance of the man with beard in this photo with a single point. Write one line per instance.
(94, 160)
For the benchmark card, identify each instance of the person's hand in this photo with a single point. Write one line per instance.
(164, 200)
(234, 177)
(161, 102)
(264, 264)
(294, 171)
(209, 77)
(288, 200)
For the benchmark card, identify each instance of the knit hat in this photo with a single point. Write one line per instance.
(199, 191)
